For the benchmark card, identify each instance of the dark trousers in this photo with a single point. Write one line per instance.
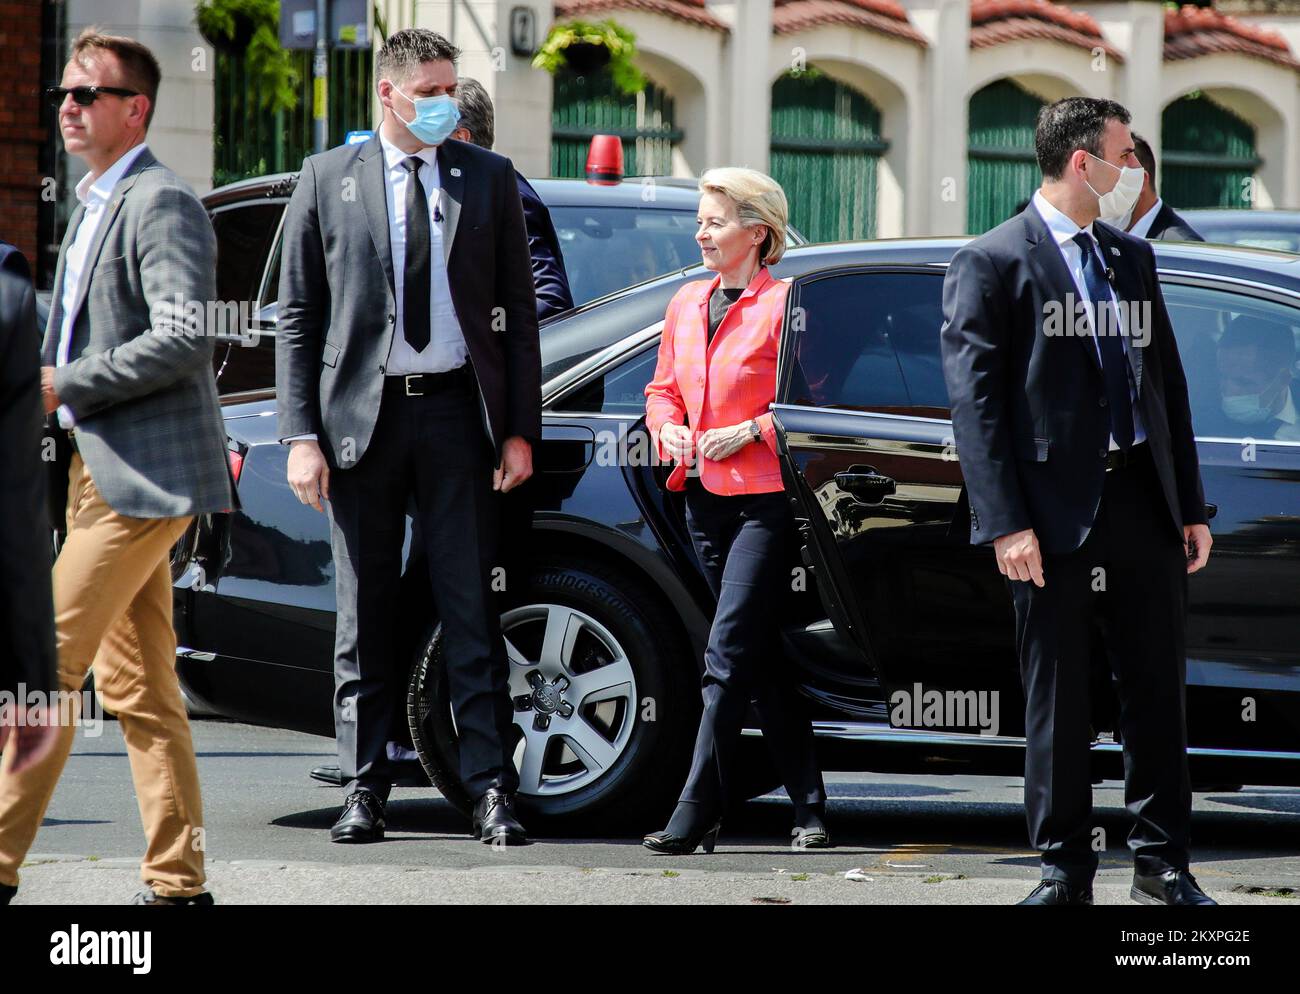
(434, 449)
(743, 543)
(1134, 556)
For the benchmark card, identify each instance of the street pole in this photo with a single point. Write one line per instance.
(320, 71)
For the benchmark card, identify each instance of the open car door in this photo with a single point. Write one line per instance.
(865, 439)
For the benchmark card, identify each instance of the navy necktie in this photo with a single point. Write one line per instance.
(1114, 364)
(415, 270)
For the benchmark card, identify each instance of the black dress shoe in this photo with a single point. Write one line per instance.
(495, 821)
(1058, 892)
(1170, 887)
(406, 775)
(7, 894)
(362, 819)
(810, 827)
(149, 897)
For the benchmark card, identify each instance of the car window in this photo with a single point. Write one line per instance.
(620, 390)
(609, 248)
(1239, 356)
(870, 343)
(245, 234)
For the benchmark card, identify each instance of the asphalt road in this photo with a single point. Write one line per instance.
(914, 839)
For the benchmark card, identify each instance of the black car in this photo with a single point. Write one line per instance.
(606, 611)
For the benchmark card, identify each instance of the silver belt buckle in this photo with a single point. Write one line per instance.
(408, 378)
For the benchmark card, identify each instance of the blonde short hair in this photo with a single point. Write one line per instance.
(759, 199)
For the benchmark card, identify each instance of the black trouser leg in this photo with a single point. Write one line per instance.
(459, 523)
(1145, 609)
(742, 543)
(1053, 626)
(367, 509)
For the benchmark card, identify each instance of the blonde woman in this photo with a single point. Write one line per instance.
(707, 408)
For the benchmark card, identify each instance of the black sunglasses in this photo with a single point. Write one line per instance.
(84, 95)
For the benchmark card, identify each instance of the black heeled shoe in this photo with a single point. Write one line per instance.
(809, 830)
(668, 844)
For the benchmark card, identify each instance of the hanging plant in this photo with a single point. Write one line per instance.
(584, 47)
(252, 28)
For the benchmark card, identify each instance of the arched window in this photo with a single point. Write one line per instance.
(826, 146)
(1001, 170)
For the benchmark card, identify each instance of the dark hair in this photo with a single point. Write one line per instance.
(1142, 149)
(1069, 124)
(1273, 341)
(476, 114)
(404, 50)
(139, 67)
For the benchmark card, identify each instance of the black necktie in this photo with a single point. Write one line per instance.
(415, 278)
(1114, 364)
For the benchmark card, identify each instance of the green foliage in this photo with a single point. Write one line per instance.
(269, 64)
(618, 40)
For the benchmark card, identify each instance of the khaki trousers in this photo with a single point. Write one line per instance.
(113, 608)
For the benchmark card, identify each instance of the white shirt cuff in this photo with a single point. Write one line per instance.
(66, 419)
(299, 438)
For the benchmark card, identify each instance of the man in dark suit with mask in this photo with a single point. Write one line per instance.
(1151, 217)
(408, 370)
(1080, 465)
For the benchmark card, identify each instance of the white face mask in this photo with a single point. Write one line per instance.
(1250, 408)
(1116, 205)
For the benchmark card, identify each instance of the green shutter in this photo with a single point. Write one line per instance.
(1001, 170)
(1208, 155)
(589, 105)
(826, 146)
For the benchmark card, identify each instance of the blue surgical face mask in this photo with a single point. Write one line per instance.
(435, 118)
(1249, 408)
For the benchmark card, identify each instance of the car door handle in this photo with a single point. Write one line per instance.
(865, 484)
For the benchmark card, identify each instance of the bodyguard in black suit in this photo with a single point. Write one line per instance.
(28, 662)
(1081, 470)
(408, 370)
(551, 282)
(1152, 218)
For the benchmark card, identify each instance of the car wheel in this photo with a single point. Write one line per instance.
(605, 699)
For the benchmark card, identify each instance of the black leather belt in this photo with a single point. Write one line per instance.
(422, 384)
(1122, 459)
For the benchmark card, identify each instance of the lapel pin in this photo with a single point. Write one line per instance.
(1114, 250)
(455, 171)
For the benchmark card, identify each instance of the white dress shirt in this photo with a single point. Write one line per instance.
(1143, 224)
(1063, 231)
(446, 349)
(94, 194)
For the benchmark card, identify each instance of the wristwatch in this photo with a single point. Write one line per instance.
(755, 430)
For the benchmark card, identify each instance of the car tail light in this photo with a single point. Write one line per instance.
(605, 160)
(236, 463)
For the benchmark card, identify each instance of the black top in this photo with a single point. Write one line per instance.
(719, 301)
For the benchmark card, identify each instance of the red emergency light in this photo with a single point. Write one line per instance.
(605, 160)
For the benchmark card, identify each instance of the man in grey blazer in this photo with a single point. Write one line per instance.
(127, 382)
(408, 372)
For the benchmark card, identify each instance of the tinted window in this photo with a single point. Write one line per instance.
(244, 238)
(1238, 352)
(871, 343)
(609, 248)
(620, 391)
(247, 365)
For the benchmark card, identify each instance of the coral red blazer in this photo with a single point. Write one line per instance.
(705, 384)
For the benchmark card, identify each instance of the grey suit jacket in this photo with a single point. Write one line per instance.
(337, 309)
(139, 375)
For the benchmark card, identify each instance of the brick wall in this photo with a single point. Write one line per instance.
(21, 135)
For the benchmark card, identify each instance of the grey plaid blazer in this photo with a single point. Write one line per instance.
(139, 378)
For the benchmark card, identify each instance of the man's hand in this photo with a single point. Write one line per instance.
(1197, 541)
(1018, 556)
(308, 473)
(677, 442)
(48, 395)
(516, 464)
(718, 443)
(33, 740)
